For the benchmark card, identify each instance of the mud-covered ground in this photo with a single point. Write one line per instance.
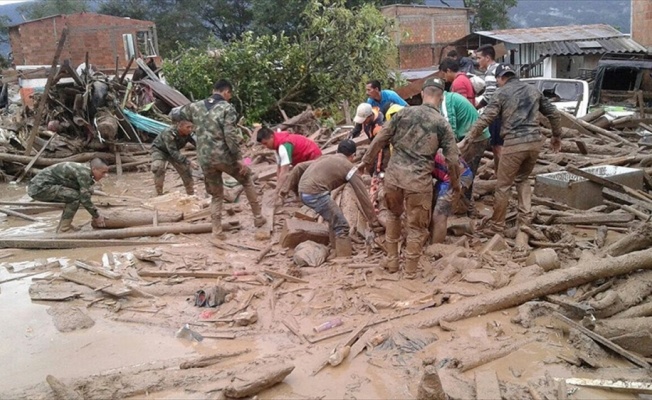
(126, 347)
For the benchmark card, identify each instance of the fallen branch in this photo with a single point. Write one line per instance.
(211, 360)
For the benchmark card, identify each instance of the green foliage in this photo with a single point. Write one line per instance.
(334, 53)
(4, 28)
(490, 14)
(45, 8)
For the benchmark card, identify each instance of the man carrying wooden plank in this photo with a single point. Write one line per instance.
(69, 183)
(166, 148)
(218, 151)
(291, 149)
(314, 180)
(516, 103)
(415, 133)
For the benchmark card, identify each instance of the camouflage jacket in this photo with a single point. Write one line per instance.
(170, 143)
(71, 175)
(517, 104)
(416, 133)
(218, 138)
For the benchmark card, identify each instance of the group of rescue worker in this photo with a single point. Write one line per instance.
(422, 159)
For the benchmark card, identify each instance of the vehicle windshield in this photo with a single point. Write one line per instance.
(562, 91)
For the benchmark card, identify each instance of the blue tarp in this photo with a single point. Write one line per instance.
(151, 126)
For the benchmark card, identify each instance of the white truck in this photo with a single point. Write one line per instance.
(570, 95)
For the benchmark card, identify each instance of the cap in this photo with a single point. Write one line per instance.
(346, 147)
(434, 82)
(504, 69)
(364, 110)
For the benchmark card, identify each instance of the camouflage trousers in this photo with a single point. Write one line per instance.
(417, 206)
(159, 164)
(215, 187)
(57, 194)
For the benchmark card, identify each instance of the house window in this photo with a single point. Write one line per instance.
(129, 45)
(146, 46)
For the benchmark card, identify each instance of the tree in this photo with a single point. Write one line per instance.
(490, 14)
(4, 28)
(45, 8)
(332, 55)
(227, 19)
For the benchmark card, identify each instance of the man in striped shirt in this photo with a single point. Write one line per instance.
(487, 61)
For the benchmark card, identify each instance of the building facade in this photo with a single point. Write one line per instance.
(422, 32)
(642, 22)
(105, 38)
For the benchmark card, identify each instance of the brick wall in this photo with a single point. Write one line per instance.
(34, 43)
(421, 32)
(642, 22)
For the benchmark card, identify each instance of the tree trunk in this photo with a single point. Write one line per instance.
(126, 219)
(147, 231)
(550, 283)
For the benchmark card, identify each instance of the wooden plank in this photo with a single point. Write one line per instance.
(52, 243)
(118, 164)
(36, 157)
(641, 362)
(625, 198)
(17, 214)
(98, 270)
(352, 338)
(94, 282)
(486, 385)
(284, 276)
(597, 218)
(191, 274)
(40, 112)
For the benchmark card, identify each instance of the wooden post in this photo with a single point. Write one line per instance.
(118, 164)
(44, 98)
(124, 74)
(36, 157)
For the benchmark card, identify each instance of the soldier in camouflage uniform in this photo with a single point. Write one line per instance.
(516, 103)
(415, 133)
(218, 151)
(70, 183)
(166, 149)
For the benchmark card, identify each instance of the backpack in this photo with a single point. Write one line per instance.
(477, 83)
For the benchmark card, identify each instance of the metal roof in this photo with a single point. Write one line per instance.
(553, 33)
(599, 46)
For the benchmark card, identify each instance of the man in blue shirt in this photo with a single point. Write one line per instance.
(382, 98)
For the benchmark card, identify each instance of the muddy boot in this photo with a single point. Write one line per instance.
(65, 225)
(390, 262)
(343, 247)
(158, 184)
(216, 219)
(411, 268)
(254, 203)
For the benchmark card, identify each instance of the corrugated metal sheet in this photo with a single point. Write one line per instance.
(414, 74)
(166, 93)
(569, 48)
(553, 33)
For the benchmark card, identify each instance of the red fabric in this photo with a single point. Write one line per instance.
(462, 85)
(304, 149)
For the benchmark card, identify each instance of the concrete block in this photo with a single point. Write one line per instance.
(580, 193)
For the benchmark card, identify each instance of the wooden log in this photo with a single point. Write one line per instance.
(61, 391)
(613, 327)
(641, 310)
(211, 360)
(148, 231)
(636, 213)
(296, 231)
(127, 219)
(13, 213)
(190, 274)
(40, 111)
(31, 203)
(593, 115)
(623, 295)
(625, 198)
(595, 218)
(263, 253)
(54, 243)
(263, 380)
(550, 283)
(611, 135)
(46, 162)
(641, 362)
(640, 239)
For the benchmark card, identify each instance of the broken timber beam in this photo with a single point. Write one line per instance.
(54, 243)
(550, 283)
(148, 231)
(641, 362)
(190, 274)
(17, 214)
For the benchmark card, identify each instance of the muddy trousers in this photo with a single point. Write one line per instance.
(58, 194)
(417, 206)
(215, 187)
(514, 168)
(159, 164)
(324, 205)
(473, 154)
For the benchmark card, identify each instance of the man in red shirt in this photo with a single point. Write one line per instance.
(291, 149)
(460, 83)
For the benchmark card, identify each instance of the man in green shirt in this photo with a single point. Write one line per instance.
(461, 115)
(167, 149)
